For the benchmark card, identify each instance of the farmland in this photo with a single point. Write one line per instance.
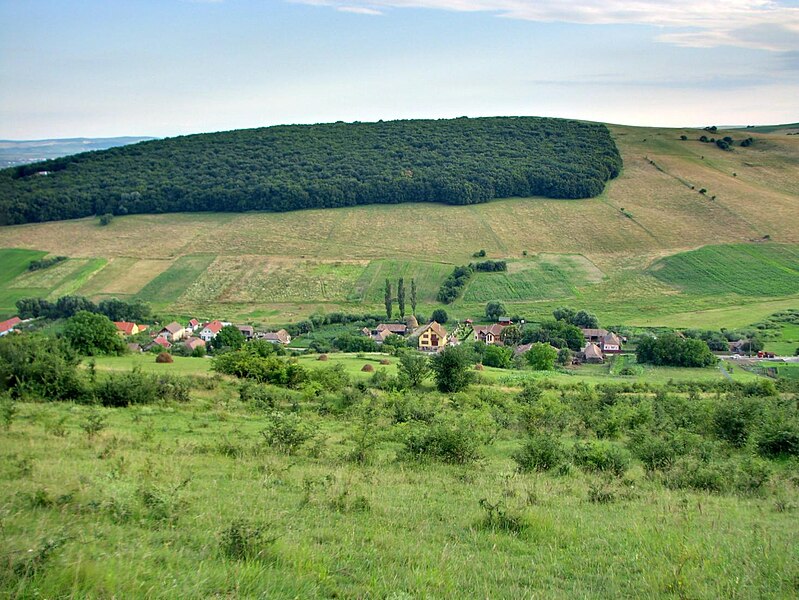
(651, 250)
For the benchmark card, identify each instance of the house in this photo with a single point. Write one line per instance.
(173, 332)
(505, 321)
(611, 343)
(592, 354)
(522, 349)
(594, 335)
(276, 337)
(193, 343)
(192, 325)
(395, 328)
(210, 330)
(246, 330)
(159, 341)
(431, 337)
(8, 326)
(134, 347)
(126, 328)
(489, 334)
(453, 341)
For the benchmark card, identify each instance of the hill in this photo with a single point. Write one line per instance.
(457, 161)
(16, 152)
(601, 254)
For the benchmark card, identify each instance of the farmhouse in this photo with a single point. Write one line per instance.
(192, 326)
(159, 341)
(126, 328)
(489, 334)
(594, 335)
(276, 337)
(431, 337)
(611, 343)
(173, 332)
(193, 343)
(592, 354)
(395, 328)
(210, 330)
(246, 330)
(8, 326)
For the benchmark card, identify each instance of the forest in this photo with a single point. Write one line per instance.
(456, 161)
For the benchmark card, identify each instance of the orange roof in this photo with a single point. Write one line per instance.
(10, 324)
(214, 326)
(125, 327)
(436, 327)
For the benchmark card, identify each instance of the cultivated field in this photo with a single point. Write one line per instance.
(607, 254)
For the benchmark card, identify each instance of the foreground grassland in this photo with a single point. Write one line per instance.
(614, 254)
(188, 501)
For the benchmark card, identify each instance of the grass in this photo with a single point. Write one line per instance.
(145, 361)
(167, 287)
(749, 270)
(370, 287)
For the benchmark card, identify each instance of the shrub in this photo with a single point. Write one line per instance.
(733, 421)
(126, 389)
(93, 424)
(287, 432)
(779, 437)
(655, 452)
(243, 540)
(541, 452)
(500, 517)
(691, 473)
(164, 358)
(602, 456)
(440, 315)
(448, 439)
(8, 410)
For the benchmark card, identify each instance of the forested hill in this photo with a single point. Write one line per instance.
(458, 161)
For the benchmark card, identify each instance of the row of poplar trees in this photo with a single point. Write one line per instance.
(400, 298)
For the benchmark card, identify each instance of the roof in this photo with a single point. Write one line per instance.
(505, 320)
(9, 324)
(399, 328)
(214, 326)
(495, 329)
(125, 327)
(612, 339)
(194, 323)
(162, 341)
(589, 333)
(134, 347)
(173, 327)
(194, 342)
(243, 328)
(592, 351)
(281, 336)
(519, 350)
(435, 327)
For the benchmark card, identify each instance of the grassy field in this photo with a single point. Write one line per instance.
(629, 255)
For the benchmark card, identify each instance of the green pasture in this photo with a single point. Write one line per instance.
(167, 287)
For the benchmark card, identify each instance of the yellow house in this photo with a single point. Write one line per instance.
(432, 337)
(125, 329)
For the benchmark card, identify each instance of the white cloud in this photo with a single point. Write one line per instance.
(359, 10)
(761, 24)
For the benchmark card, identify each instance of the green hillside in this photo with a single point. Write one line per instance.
(457, 161)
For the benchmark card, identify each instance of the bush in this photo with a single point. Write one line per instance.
(779, 437)
(500, 517)
(601, 456)
(734, 420)
(448, 439)
(133, 388)
(440, 316)
(287, 432)
(541, 452)
(243, 540)
(164, 358)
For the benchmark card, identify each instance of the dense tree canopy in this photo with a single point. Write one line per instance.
(457, 161)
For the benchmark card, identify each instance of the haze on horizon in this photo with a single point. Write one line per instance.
(169, 67)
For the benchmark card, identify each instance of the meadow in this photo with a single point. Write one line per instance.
(651, 250)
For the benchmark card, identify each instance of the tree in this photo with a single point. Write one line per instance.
(413, 296)
(106, 219)
(93, 334)
(401, 297)
(675, 351)
(440, 316)
(542, 357)
(229, 337)
(495, 310)
(560, 334)
(585, 320)
(563, 314)
(497, 356)
(413, 367)
(451, 368)
(564, 357)
(388, 300)
(40, 366)
(511, 335)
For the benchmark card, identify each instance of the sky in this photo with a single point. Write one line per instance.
(101, 68)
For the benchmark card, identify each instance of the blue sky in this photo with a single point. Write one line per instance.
(170, 67)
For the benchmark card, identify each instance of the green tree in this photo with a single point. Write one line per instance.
(93, 334)
(564, 357)
(41, 366)
(401, 297)
(440, 316)
(495, 310)
(388, 300)
(511, 335)
(585, 320)
(229, 337)
(542, 357)
(497, 356)
(451, 368)
(413, 296)
(413, 367)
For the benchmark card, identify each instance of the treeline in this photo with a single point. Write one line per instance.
(453, 285)
(457, 161)
(68, 306)
(43, 263)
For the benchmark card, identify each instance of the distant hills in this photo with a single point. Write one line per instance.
(450, 161)
(18, 152)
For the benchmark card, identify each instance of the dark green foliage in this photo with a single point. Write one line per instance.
(747, 142)
(715, 340)
(500, 517)
(453, 285)
(43, 263)
(401, 297)
(69, 306)
(602, 456)
(440, 316)
(541, 357)
(672, 350)
(228, 337)
(287, 432)
(136, 388)
(331, 379)
(541, 452)
(489, 266)
(413, 296)
(451, 368)
(479, 254)
(497, 356)
(458, 161)
(271, 369)
(779, 436)
(106, 219)
(734, 420)
(495, 310)
(560, 333)
(355, 343)
(8, 410)
(41, 367)
(413, 367)
(447, 438)
(564, 357)
(92, 334)
(388, 300)
(243, 540)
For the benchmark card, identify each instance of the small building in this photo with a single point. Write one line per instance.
(126, 328)
(594, 335)
(395, 328)
(611, 343)
(246, 330)
(7, 327)
(210, 330)
(276, 337)
(193, 343)
(592, 354)
(158, 341)
(522, 349)
(431, 337)
(192, 326)
(488, 334)
(173, 332)
(505, 321)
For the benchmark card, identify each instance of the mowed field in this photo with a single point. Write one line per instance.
(613, 254)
